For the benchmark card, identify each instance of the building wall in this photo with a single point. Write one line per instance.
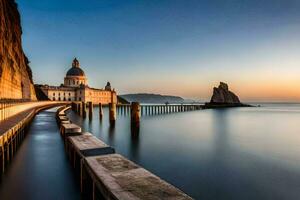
(60, 95)
(100, 96)
(80, 94)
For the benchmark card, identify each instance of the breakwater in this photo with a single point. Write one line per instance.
(106, 174)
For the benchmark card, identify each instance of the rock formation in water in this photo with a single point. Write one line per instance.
(223, 97)
(15, 73)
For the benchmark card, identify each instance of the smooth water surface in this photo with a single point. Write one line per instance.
(237, 153)
(40, 169)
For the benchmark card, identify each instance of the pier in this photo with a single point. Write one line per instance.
(158, 109)
(104, 174)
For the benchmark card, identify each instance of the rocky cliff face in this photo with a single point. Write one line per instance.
(15, 73)
(222, 95)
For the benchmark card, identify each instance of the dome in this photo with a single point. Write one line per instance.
(75, 70)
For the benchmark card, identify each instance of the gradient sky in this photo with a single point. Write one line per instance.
(177, 47)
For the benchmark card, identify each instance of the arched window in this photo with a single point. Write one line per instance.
(69, 99)
(69, 94)
(79, 98)
(64, 98)
(73, 82)
(53, 98)
(53, 93)
(58, 98)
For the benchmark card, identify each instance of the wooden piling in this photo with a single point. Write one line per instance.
(135, 119)
(112, 113)
(83, 108)
(90, 110)
(100, 111)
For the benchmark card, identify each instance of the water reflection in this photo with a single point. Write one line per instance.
(244, 153)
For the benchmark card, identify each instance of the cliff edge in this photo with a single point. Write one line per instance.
(15, 73)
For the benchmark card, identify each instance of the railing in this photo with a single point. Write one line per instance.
(9, 108)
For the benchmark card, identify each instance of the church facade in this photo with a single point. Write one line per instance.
(75, 88)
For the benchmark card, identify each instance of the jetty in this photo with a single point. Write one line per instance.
(104, 174)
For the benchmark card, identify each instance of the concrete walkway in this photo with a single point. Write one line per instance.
(40, 168)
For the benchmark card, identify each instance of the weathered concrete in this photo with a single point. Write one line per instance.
(115, 177)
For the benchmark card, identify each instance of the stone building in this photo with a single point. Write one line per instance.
(75, 88)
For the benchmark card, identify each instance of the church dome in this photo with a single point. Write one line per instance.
(75, 70)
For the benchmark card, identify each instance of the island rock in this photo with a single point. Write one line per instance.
(223, 97)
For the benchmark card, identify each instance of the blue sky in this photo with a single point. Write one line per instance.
(178, 47)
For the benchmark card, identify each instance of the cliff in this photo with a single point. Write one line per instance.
(223, 97)
(152, 98)
(15, 73)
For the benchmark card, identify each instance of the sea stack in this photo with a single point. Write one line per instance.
(223, 97)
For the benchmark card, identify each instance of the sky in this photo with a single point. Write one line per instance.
(175, 47)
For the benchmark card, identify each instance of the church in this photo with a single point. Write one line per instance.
(75, 88)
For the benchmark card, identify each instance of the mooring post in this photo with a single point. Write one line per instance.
(100, 111)
(83, 109)
(90, 110)
(135, 118)
(112, 113)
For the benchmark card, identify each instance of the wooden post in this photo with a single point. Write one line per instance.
(83, 109)
(100, 111)
(90, 110)
(112, 113)
(135, 118)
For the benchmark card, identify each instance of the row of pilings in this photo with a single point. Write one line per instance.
(158, 109)
(86, 109)
(135, 110)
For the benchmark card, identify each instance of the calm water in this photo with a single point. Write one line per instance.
(239, 153)
(40, 168)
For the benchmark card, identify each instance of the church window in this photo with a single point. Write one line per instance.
(58, 98)
(53, 98)
(53, 93)
(64, 98)
(69, 94)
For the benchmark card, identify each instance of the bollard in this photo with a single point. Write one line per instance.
(83, 108)
(90, 110)
(100, 111)
(135, 118)
(112, 113)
